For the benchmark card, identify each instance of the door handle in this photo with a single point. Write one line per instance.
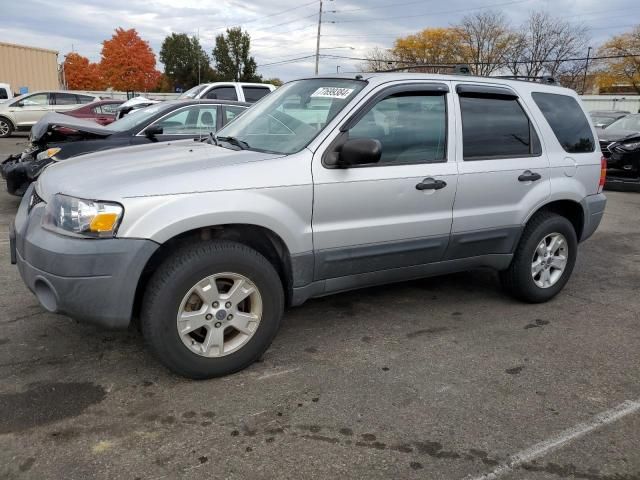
(431, 184)
(529, 176)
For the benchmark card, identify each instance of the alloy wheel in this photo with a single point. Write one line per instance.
(219, 314)
(549, 260)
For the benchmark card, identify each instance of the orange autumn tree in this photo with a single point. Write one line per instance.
(429, 46)
(128, 63)
(80, 74)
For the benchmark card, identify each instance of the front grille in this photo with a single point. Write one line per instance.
(34, 200)
(604, 148)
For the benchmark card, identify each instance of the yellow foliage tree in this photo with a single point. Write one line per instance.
(624, 70)
(430, 46)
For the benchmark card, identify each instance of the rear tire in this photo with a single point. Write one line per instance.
(188, 285)
(6, 128)
(548, 243)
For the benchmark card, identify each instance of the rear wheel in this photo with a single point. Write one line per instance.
(6, 128)
(212, 309)
(544, 259)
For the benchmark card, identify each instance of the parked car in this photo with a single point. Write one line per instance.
(326, 185)
(5, 92)
(24, 111)
(58, 137)
(243, 92)
(620, 144)
(102, 112)
(604, 118)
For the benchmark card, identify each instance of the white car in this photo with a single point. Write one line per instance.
(22, 112)
(243, 92)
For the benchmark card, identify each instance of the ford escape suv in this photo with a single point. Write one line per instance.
(328, 184)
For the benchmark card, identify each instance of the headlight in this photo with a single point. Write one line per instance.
(48, 153)
(630, 146)
(86, 218)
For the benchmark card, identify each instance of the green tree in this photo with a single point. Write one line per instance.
(185, 61)
(232, 59)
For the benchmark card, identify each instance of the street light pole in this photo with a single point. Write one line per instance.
(318, 39)
(586, 68)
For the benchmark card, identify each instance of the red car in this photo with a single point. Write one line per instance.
(102, 112)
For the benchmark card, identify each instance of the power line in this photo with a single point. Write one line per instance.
(274, 14)
(462, 10)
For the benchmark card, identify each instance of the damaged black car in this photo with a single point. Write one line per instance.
(57, 137)
(620, 145)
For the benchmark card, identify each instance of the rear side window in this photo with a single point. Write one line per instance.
(222, 93)
(496, 127)
(3, 94)
(65, 99)
(110, 108)
(85, 99)
(232, 112)
(567, 121)
(253, 94)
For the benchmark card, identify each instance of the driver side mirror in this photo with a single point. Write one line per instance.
(153, 130)
(359, 151)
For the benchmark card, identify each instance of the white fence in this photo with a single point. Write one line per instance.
(630, 103)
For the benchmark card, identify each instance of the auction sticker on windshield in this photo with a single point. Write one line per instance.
(332, 92)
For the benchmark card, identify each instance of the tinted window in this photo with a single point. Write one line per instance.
(3, 94)
(496, 127)
(232, 112)
(85, 98)
(412, 128)
(65, 99)
(222, 93)
(194, 120)
(253, 94)
(567, 121)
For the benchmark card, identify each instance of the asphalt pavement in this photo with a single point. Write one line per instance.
(441, 378)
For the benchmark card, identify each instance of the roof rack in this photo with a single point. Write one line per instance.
(458, 69)
(541, 79)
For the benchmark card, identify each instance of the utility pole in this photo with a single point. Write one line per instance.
(318, 39)
(586, 68)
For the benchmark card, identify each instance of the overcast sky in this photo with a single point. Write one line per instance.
(281, 29)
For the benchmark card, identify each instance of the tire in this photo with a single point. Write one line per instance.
(6, 128)
(519, 280)
(167, 296)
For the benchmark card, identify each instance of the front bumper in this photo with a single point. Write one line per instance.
(593, 207)
(91, 280)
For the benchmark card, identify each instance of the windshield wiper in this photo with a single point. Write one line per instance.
(241, 144)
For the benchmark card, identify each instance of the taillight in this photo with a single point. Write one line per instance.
(603, 173)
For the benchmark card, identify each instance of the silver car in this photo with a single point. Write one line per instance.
(328, 184)
(21, 113)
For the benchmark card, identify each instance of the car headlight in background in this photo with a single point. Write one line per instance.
(48, 153)
(630, 146)
(86, 218)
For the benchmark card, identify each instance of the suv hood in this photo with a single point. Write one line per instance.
(183, 166)
(51, 120)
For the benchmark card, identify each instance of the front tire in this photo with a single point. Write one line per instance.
(544, 259)
(212, 308)
(6, 128)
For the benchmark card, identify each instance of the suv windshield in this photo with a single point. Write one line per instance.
(288, 119)
(136, 117)
(630, 122)
(193, 91)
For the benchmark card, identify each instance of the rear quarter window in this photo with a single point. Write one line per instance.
(567, 120)
(253, 94)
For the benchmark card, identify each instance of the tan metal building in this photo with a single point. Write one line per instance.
(30, 67)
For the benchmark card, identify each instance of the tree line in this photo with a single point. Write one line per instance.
(127, 62)
(542, 45)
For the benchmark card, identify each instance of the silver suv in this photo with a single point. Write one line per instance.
(326, 185)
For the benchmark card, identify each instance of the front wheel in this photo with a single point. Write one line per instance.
(5, 128)
(212, 309)
(544, 259)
